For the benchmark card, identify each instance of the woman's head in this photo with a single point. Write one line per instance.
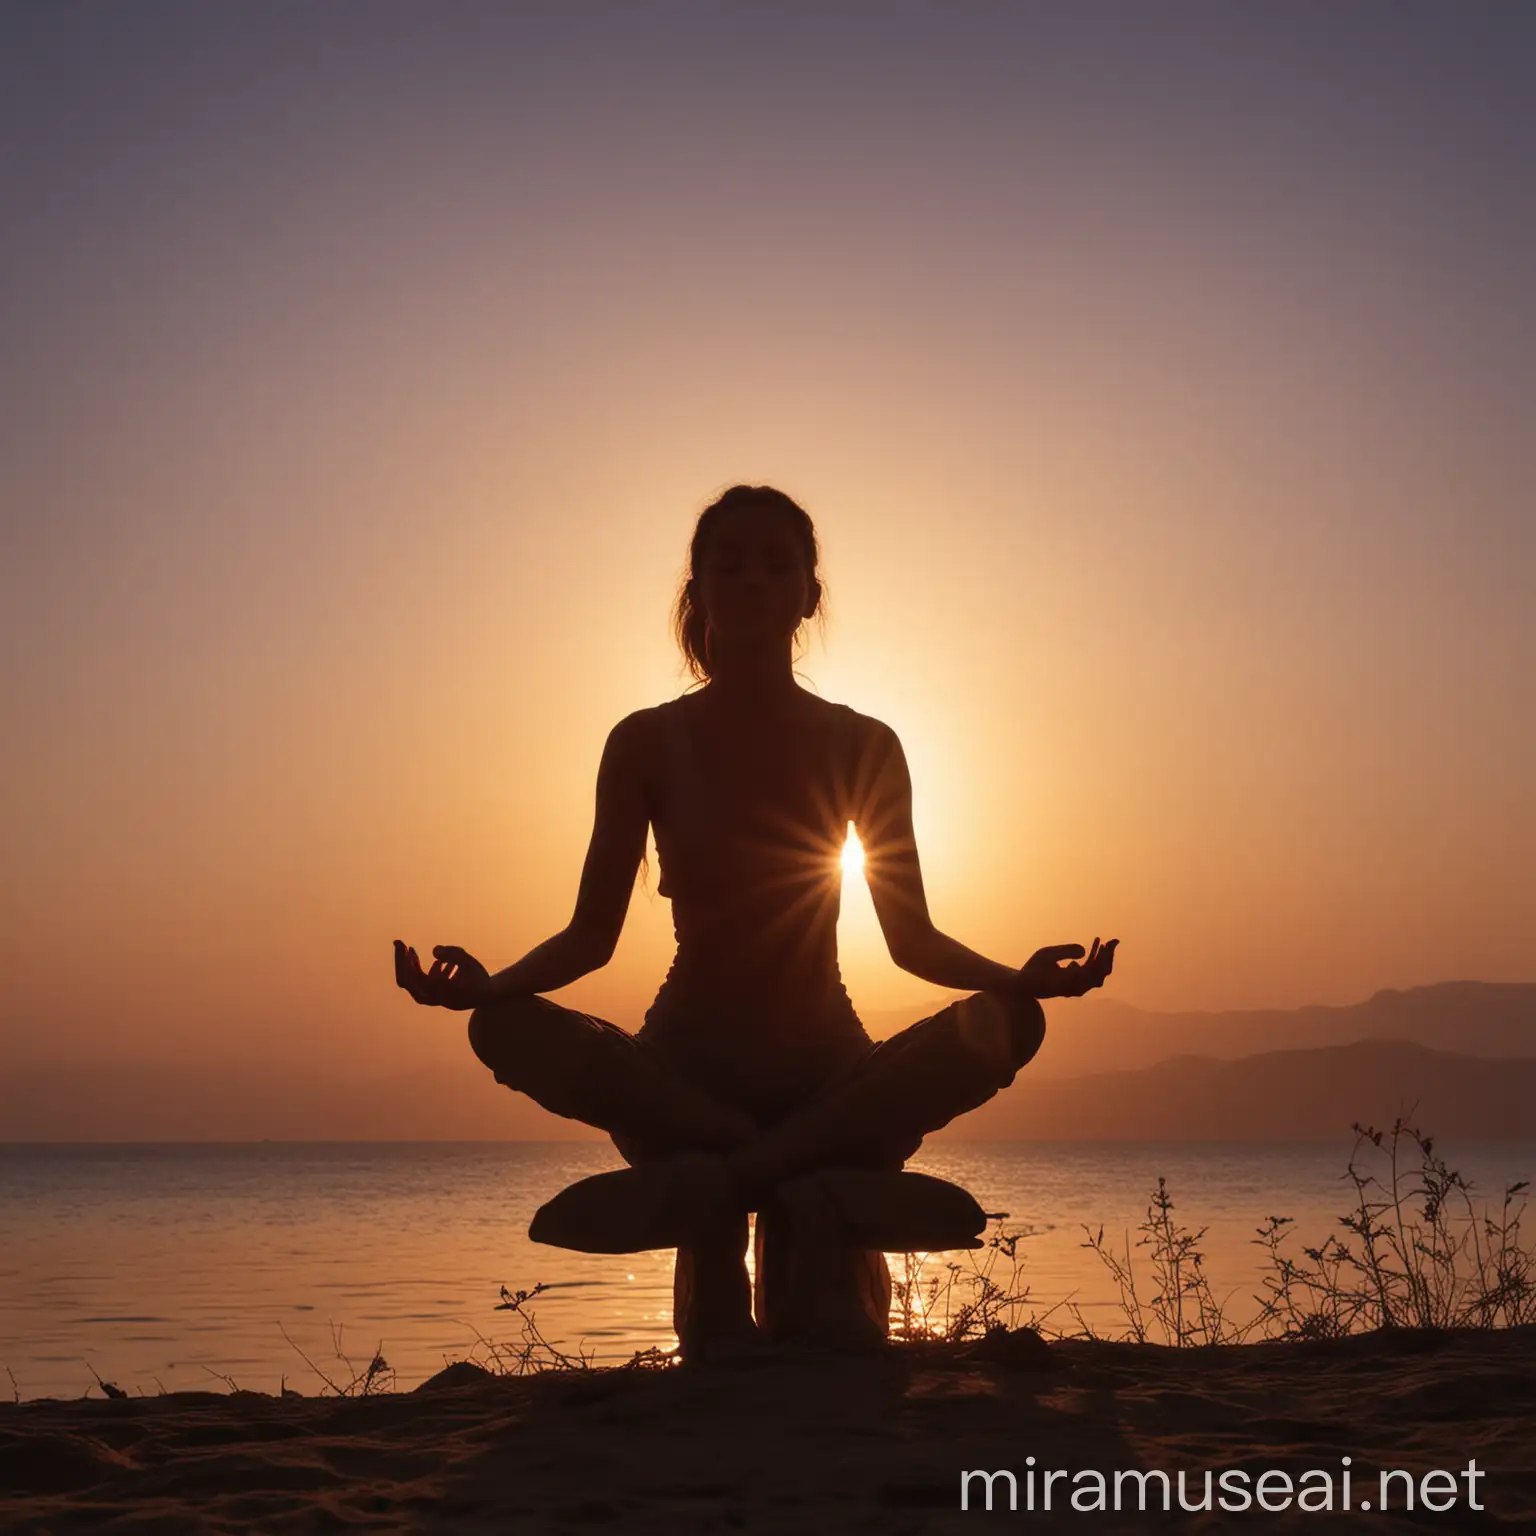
(752, 575)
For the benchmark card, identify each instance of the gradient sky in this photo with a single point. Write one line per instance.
(1158, 377)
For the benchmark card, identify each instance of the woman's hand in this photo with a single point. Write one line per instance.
(456, 980)
(1040, 976)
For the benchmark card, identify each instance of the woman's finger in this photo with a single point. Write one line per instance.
(460, 957)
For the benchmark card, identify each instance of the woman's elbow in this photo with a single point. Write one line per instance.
(909, 953)
(593, 946)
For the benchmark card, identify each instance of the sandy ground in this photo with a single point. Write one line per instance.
(801, 1443)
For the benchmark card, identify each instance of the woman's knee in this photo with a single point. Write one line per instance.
(1026, 1024)
(1005, 1030)
(571, 1063)
(493, 1026)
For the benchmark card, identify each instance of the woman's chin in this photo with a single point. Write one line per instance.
(746, 635)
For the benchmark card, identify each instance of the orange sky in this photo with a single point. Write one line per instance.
(1169, 470)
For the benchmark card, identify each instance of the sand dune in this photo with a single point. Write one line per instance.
(799, 1443)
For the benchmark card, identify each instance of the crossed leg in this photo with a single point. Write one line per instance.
(584, 1068)
(874, 1113)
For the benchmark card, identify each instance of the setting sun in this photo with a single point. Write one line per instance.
(853, 853)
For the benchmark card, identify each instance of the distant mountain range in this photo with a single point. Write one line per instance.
(1463, 1052)
(1098, 1034)
(1305, 1095)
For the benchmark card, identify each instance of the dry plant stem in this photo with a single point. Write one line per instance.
(111, 1389)
(968, 1302)
(1123, 1273)
(1430, 1268)
(535, 1353)
(376, 1376)
(311, 1364)
(1183, 1305)
(1422, 1256)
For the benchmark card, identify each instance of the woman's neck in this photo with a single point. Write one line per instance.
(748, 684)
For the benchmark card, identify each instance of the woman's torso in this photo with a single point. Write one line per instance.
(750, 819)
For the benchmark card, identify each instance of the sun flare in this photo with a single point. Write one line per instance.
(853, 853)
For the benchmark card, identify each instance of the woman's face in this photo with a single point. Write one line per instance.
(752, 583)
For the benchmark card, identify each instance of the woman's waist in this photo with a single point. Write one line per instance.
(718, 999)
(760, 982)
(744, 928)
(761, 1052)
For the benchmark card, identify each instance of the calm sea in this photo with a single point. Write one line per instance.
(190, 1266)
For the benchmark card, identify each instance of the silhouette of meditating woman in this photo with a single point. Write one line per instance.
(752, 1071)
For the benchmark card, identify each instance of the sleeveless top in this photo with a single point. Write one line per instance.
(754, 1003)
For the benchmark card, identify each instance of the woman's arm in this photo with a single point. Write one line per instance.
(883, 818)
(882, 815)
(587, 942)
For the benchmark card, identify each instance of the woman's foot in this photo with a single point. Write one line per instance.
(665, 1203)
(899, 1211)
(712, 1293)
(816, 1288)
(740, 1346)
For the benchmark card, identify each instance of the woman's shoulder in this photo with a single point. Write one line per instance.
(642, 729)
(867, 746)
(637, 748)
(866, 731)
(646, 735)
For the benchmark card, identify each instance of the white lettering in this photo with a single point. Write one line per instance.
(987, 1477)
(1226, 1480)
(1472, 1474)
(1097, 1492)
(1260, 1489)
(1050, 1477)
(1386, 1477)
(1141, 1488)
(1325, 1487)
(1183, 1501)
(1427, 1491)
